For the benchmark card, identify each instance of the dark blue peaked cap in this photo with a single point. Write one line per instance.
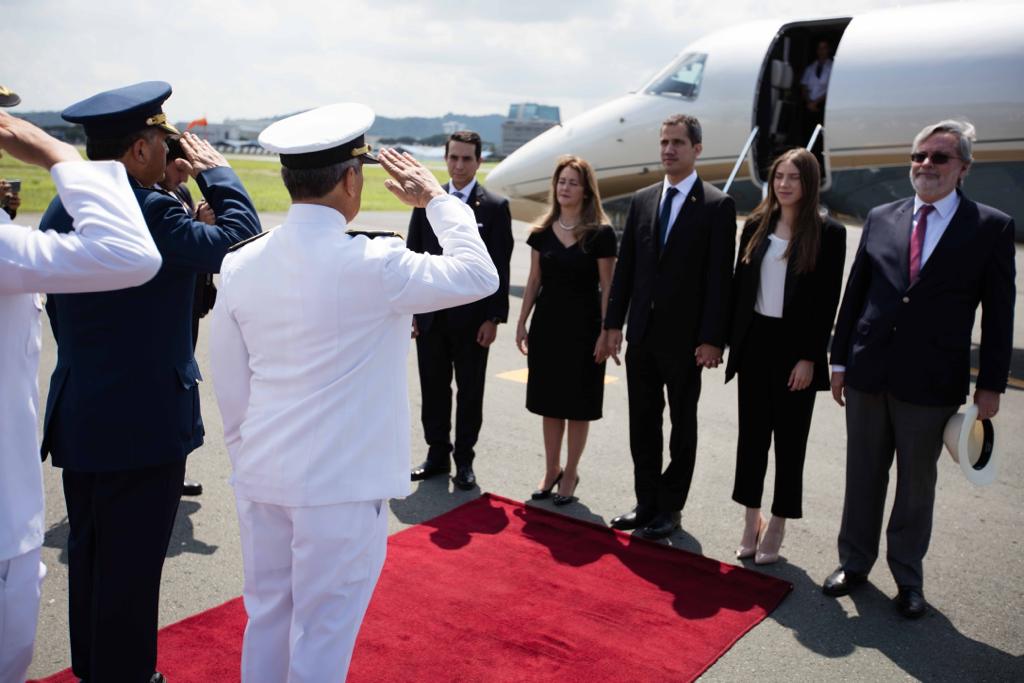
(116, 113)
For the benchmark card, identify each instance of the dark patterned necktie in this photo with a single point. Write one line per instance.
(666, 213)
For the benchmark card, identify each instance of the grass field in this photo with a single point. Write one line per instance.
(260, 175)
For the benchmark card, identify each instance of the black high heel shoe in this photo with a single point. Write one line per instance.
(541, 494)
(559, 499)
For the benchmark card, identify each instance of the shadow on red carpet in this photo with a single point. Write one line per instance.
(498, 591)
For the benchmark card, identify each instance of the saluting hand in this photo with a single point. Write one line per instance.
(201, 154)
(25, 142)
(410, 180)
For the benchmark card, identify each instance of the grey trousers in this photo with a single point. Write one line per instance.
(877, 425)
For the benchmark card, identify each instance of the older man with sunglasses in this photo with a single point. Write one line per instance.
(901, 353)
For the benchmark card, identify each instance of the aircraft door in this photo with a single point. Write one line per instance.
(792, 92)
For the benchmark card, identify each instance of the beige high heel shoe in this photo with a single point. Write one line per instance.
(744, 551)
(768, 548)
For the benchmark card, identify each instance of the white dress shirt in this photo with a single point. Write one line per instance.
(110, 248)
(817, 86)
(938, 221)
(771, 291)
(309, 351)
(684, 186)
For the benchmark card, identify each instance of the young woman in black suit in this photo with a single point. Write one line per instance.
(789, 273)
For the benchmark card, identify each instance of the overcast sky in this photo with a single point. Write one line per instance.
(253, 58)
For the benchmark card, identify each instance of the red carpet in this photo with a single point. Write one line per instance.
(498, 591)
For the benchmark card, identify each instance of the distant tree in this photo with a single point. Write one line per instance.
(403, 140)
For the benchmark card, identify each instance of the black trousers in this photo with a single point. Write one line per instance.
(768, 408)
(121, 524)
(650, 375)
(441, 351)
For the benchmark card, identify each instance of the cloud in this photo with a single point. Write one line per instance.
(248, 58)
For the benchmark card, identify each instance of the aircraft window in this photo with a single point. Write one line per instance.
(682, 77)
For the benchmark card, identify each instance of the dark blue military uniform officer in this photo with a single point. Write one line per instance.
(123, 408)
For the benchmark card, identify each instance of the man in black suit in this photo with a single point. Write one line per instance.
(673, 277)
(458, 338)
(901, 353)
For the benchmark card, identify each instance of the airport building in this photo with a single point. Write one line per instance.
(526, 120)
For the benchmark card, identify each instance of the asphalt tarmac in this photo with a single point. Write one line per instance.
(974, 571)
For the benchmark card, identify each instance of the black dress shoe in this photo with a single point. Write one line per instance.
(910, 602)
(634, 519)
(841, 582)
(191, 488)
(428, 469)
(663, 524)
(541, 494)
(464, 478)
(158, 678)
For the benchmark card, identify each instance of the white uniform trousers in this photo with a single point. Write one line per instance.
(21, 581)
(309, 576)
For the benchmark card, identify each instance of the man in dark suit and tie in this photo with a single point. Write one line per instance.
(122, 412)
(458, 338)
(901, 353)
(673, 277)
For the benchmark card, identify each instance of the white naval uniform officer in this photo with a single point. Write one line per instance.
(110, 248)
(309, 345)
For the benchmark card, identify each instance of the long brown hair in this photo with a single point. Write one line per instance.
(806, 242)
(591, 214)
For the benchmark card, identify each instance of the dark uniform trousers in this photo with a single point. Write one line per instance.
(440, 350)
(651, 373)
(115, 559)
(767, 407)
(877, 425)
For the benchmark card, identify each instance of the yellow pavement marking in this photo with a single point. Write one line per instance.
(521, 375)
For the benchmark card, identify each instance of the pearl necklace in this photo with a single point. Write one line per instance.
(563, 226)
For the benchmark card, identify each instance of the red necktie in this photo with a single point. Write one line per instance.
(917, 242)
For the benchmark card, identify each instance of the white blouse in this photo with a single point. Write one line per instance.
(771, 293)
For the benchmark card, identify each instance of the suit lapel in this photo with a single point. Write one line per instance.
(903, 221)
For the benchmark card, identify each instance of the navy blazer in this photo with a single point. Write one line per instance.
(687, 282)
(124, 394)
(809, 302)
(494, 220)
(914, 341)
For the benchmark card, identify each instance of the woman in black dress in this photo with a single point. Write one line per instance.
(789, 272)
(570, 275)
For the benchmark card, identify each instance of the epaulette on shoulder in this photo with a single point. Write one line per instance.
(356, 231)
(238, 245)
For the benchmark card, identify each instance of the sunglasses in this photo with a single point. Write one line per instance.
(938, 158)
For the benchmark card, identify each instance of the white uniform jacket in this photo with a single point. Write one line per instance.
(111, 248)
(309, 350)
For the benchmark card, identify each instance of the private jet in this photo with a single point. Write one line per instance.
(894, 71)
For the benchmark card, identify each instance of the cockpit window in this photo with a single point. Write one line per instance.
(682, 77)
